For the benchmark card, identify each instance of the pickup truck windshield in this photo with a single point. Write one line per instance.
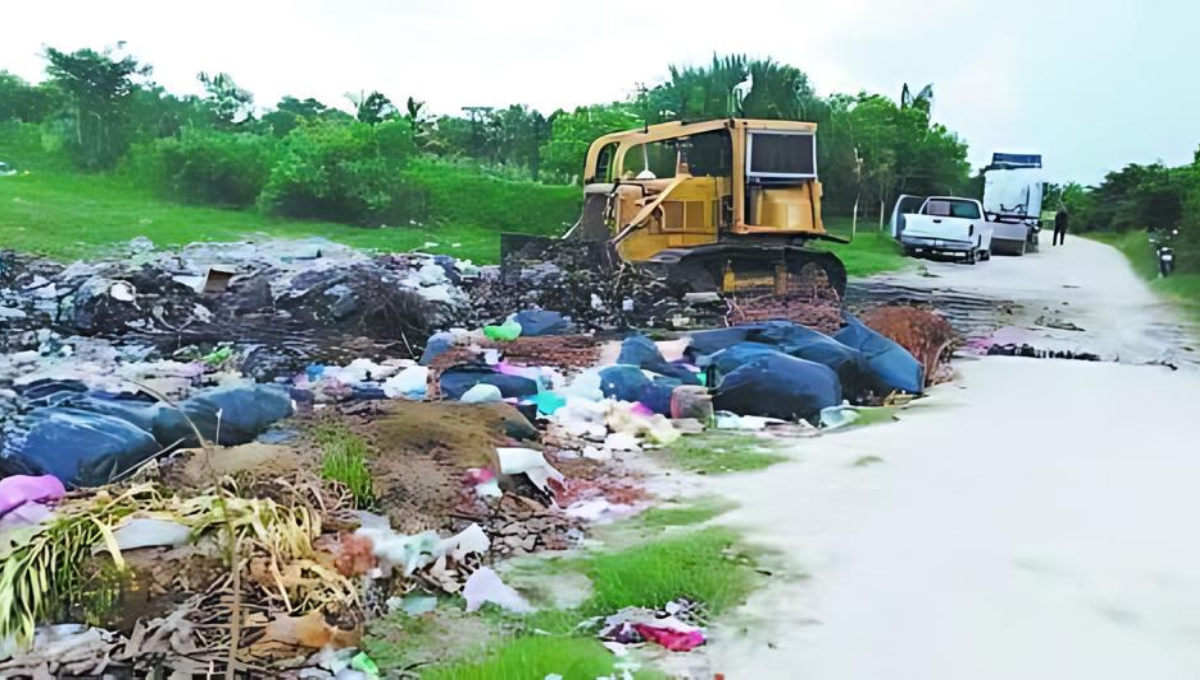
(943, 208)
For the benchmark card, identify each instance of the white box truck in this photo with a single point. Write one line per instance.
(1013, 186)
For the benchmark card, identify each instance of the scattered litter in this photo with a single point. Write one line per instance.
(532, 463)
(482, 394)
(485, 586)
(410, 383)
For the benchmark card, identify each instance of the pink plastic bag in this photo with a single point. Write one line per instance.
(674, 640)
(18, 490)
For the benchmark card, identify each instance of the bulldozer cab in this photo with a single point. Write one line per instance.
(687, 184)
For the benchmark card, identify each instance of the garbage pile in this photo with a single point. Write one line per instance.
(201, 461)
(565, 277)
(293, 296)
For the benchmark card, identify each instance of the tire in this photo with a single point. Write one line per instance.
(986, 255)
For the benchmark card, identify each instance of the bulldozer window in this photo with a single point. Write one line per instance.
(604, 163)
(710, 154)
(657, 158)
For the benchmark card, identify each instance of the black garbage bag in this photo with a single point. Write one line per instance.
(713, 341)
(779, 386)
(805, 343)
(728, 360)
(456, 380)
(79, 447)
(888, 366)
(246, 411)
(537, 322)
(50, 392)
(640, 351)
(137, 412)
(630, 383)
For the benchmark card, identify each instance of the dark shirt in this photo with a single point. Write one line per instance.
(1060, 220)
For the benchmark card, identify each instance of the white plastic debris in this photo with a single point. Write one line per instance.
(431, 273)
(833, 417)
(730, 421)
(411, 383)
(482, 394)
(145, 532)
(123, 291)
(485, 586)
(415, 552)
(621, 441)
(515, 460)
(473, 539)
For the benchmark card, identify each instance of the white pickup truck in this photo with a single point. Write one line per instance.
(943, 225)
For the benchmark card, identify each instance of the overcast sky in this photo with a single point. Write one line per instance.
(1092, 85)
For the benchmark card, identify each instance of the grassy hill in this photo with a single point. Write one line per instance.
(51, 210)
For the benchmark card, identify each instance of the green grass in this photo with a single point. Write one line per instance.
(870, 252)
(716, 452)
(67, 216)
(702, 565)
(1182, 289)
(696, 512)
(698, 565)
(344, 460)
(533, 658)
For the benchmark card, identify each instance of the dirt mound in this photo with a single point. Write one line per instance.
(423, 451)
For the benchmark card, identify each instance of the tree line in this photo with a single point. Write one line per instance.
(305, 158)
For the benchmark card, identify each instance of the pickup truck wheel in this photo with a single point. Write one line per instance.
(986, 255)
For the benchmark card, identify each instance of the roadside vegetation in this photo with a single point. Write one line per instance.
(1130, 203)
(1182, 287)
(717, 452)
(870, 251)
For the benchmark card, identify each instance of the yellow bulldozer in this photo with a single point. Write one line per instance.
(722, 205)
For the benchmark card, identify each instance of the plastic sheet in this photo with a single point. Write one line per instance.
(889, 367)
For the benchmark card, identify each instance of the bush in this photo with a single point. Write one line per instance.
(345, 171)
(457, 195)
(206, 166)
(29, 146)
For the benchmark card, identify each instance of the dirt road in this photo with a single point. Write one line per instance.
(1033, 519)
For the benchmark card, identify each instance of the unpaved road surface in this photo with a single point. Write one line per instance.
(1033, 519)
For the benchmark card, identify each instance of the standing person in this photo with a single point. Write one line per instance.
(1060, 225)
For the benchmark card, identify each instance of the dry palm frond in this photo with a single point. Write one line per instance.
(42, 578)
